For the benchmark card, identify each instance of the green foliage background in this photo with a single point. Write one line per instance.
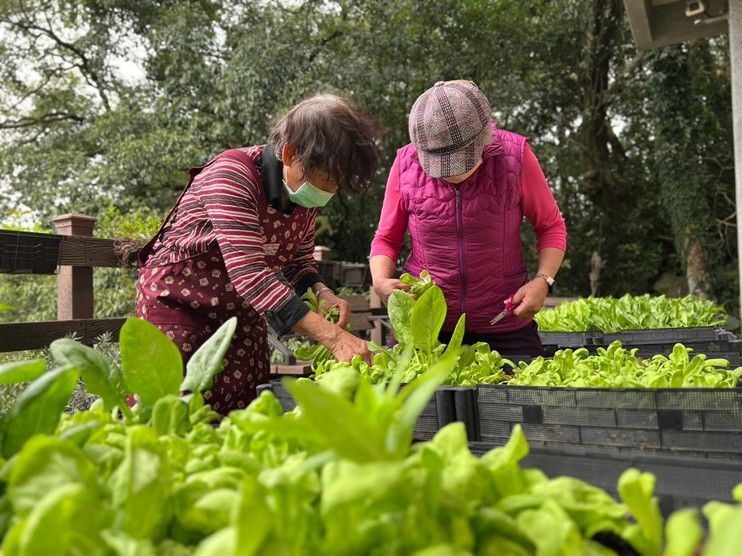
(104, 105)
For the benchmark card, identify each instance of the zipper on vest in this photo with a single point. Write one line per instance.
(462, 263)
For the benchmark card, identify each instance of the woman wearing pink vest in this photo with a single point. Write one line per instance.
(240, 242)
(461, 190)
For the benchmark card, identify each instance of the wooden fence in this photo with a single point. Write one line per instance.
(71, 253)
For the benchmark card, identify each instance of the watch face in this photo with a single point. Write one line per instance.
(549, 279)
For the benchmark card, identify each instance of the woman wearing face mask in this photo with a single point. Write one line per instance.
(461, 189)
(240, 242)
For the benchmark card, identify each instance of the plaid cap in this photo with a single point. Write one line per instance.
(449, 126)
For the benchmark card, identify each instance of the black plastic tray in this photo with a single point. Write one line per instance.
(713, 342)
(636, 338)
(681, 481)
(708, 347)
(734, 357)
(698, 421)
(439, 412)
(668, 335)
(570, 339)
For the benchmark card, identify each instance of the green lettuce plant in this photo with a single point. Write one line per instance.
(417, 322)
(609, 314)
(618, 367)
(338, 475)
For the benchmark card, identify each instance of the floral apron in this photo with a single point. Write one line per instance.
(188, 300)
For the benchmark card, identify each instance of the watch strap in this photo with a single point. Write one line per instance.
(546, 278)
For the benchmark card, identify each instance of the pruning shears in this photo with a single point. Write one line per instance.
(508, 310)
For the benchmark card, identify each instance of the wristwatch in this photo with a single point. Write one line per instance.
(548, 279)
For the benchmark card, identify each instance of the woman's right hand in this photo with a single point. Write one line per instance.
(385, 287)
(346, 346)
(343, 345)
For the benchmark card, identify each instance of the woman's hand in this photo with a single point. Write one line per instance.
(530, 298)
(385, 287)
(328, 300)
(345, 346)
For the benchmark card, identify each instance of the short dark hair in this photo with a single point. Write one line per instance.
(329, 133)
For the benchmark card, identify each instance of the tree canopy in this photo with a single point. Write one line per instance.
(109, 102)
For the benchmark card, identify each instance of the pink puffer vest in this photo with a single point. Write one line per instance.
(468, 235)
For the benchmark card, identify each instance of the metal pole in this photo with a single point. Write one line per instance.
(735, 60)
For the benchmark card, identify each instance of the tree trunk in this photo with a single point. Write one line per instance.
(696, 273)
(597, 263)
(685, 190)
(603, 155)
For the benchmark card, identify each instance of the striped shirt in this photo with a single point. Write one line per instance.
(267, 252)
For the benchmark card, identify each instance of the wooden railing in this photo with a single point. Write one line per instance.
(71, 253)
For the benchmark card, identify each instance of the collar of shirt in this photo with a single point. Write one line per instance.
(271, 174)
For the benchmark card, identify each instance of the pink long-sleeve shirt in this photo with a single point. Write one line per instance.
(537, 203)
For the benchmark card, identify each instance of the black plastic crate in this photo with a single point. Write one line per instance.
(28, 253)
(722, 347)
(708, 347)
(570, 339)
(637, 338)
(699, 421)
(730, 354)
(708, 338)
(439, 412)
(681, 481)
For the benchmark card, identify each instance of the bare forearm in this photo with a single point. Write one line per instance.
(549, 261)
(318, 328)
(343, 345)
(530, 297)
(382, 268)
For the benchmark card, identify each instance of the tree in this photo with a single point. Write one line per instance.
(692, 159)
(77, 134)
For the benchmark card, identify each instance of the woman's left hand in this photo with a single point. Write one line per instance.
(329, 300)
(530, 298)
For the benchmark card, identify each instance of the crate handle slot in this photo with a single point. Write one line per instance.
(670, 419)
(533, 414)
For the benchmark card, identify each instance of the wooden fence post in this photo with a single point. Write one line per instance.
(74, 283)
